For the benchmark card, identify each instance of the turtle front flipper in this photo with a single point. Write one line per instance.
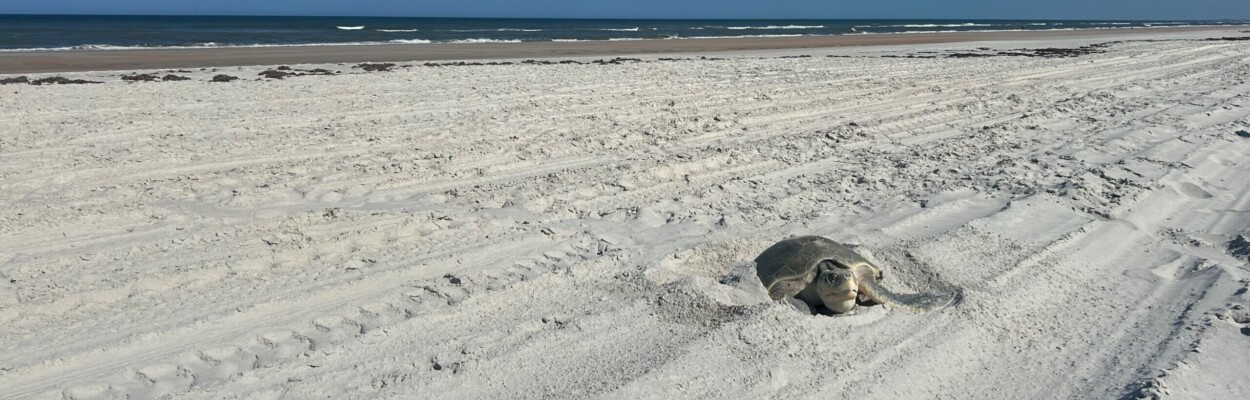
(913, 302)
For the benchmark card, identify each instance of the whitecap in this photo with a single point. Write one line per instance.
(776, 27)
(969, 24)
(744, 36)
(479, 40)
(496, 30)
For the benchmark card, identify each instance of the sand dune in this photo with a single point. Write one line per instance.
(531, 231)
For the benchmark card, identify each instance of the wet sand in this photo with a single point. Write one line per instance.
(105, 60)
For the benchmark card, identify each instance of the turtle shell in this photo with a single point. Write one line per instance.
(790, 265)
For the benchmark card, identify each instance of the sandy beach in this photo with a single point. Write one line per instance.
(580, 229)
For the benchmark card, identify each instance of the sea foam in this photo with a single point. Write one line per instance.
(776, 27)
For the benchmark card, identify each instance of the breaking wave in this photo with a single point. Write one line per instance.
(776, 27)
(497, 30)
(970, 24)
(483, 40)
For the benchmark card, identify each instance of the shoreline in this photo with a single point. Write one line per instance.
(161, 58)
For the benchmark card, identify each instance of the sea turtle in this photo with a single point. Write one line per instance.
(820, 271)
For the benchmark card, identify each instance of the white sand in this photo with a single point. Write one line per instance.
(535, 231)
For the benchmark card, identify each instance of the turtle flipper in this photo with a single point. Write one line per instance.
(910, 302)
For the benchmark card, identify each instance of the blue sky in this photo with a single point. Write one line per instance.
(956, 9)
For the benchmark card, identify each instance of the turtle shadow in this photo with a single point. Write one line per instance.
(861, 308)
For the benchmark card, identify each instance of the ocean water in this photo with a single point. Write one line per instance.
(61, 32)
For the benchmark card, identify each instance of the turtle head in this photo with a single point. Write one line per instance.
(838, 289)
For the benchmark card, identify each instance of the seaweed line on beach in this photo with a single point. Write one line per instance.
(52, 80)
(224, 78)
(285, 71)
(137, 77)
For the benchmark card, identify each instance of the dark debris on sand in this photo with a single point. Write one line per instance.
(1049, 52)
(465, 64)
(174, 78)
(285, 71)
(224, 78)
(962, 55)
(1239, 247)
(15, 81)
(275, 74)
(1244, 134)
(375, 67)
(984, 52)
(382, 67)
(60, 80)
(614, 61)
(701, 58)
(140, 78)
(1230, 39)
(546, 62)
(52, 80)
